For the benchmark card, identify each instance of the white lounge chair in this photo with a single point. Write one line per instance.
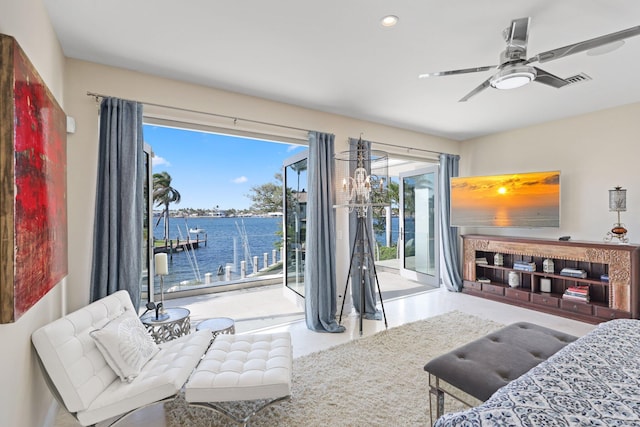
(79, 357)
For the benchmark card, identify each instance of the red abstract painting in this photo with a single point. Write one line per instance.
(39, 181)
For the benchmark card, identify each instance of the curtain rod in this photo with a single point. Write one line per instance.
(409, 149)
(235, 119)
(187, 110)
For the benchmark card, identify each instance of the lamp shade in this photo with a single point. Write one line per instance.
(162, 266)
(618, 200)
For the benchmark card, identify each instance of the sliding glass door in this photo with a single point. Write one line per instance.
(419, 257)
(295, 221)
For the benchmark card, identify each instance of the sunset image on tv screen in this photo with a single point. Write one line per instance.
(513, 200)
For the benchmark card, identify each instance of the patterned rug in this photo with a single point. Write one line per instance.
(373, 381)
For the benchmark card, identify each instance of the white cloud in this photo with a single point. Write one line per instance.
(160, 161)
(240, 180)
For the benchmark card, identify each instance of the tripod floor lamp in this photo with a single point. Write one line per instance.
(362, 185)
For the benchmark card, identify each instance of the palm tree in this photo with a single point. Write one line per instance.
(163, 195)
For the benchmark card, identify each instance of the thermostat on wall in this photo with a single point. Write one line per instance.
(71, 125)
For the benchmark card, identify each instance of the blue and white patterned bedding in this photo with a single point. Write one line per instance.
(594, 381)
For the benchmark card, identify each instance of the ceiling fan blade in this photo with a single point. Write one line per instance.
(582, 46)
(477, 90)
(549, 79)
(453, 72)
(519, 33)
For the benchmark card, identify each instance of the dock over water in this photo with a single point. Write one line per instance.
(179, 245)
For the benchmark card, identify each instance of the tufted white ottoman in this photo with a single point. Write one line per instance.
(242, 367)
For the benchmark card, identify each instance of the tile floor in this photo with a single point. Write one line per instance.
(267, 310)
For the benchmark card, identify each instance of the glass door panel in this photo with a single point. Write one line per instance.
(419, 256)
(295, 221)
(146, 284)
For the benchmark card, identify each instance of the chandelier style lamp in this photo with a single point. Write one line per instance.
(362, 180)
(617, 203)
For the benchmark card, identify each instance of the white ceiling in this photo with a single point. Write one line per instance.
(334, 55)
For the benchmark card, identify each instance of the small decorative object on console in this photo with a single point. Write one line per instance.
(617, 203)
(498, 259)
(545, 285)
(548, 266)
(514, 279)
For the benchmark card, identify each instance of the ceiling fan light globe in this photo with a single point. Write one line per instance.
(513, 77)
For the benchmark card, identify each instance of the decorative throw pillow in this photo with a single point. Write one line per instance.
(125, 344)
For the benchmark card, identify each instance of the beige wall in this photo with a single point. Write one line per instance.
(24, 398)
(593, 152)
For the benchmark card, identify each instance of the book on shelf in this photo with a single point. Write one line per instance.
(577, 293)
(524, 266)
(582, 298)
(483, 280)
(578, 289)
(604, 278)
(481, 261)
(573, 272)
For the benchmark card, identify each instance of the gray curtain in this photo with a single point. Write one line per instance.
(449, 236)
(320, 266)
(361, 247)
(117, 247)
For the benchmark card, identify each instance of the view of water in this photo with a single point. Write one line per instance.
(225, 245)
(395, 232)
(502, 216)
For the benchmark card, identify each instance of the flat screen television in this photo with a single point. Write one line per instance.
(511, 200)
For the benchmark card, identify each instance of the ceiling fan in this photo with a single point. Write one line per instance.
(515, 69)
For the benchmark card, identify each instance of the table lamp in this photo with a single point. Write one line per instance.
(617, 203)
(162, 269)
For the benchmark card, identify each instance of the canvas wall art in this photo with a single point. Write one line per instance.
(509, 200)
(33, 202)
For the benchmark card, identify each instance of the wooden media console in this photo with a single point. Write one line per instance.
(612, 275)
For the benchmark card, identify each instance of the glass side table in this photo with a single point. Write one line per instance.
(175, 325)
(218, 325)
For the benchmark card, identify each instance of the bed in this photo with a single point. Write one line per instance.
(593, 381)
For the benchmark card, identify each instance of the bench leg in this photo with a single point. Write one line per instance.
(438, 394)
(240, 421)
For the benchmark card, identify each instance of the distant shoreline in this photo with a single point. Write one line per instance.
(274, 215)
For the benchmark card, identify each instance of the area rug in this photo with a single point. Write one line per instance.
(373, 381)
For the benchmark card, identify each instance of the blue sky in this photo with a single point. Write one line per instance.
(210, 169)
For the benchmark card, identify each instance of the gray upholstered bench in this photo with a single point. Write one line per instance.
(488, 363)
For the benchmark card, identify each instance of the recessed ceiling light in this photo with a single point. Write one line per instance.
(389, 21)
